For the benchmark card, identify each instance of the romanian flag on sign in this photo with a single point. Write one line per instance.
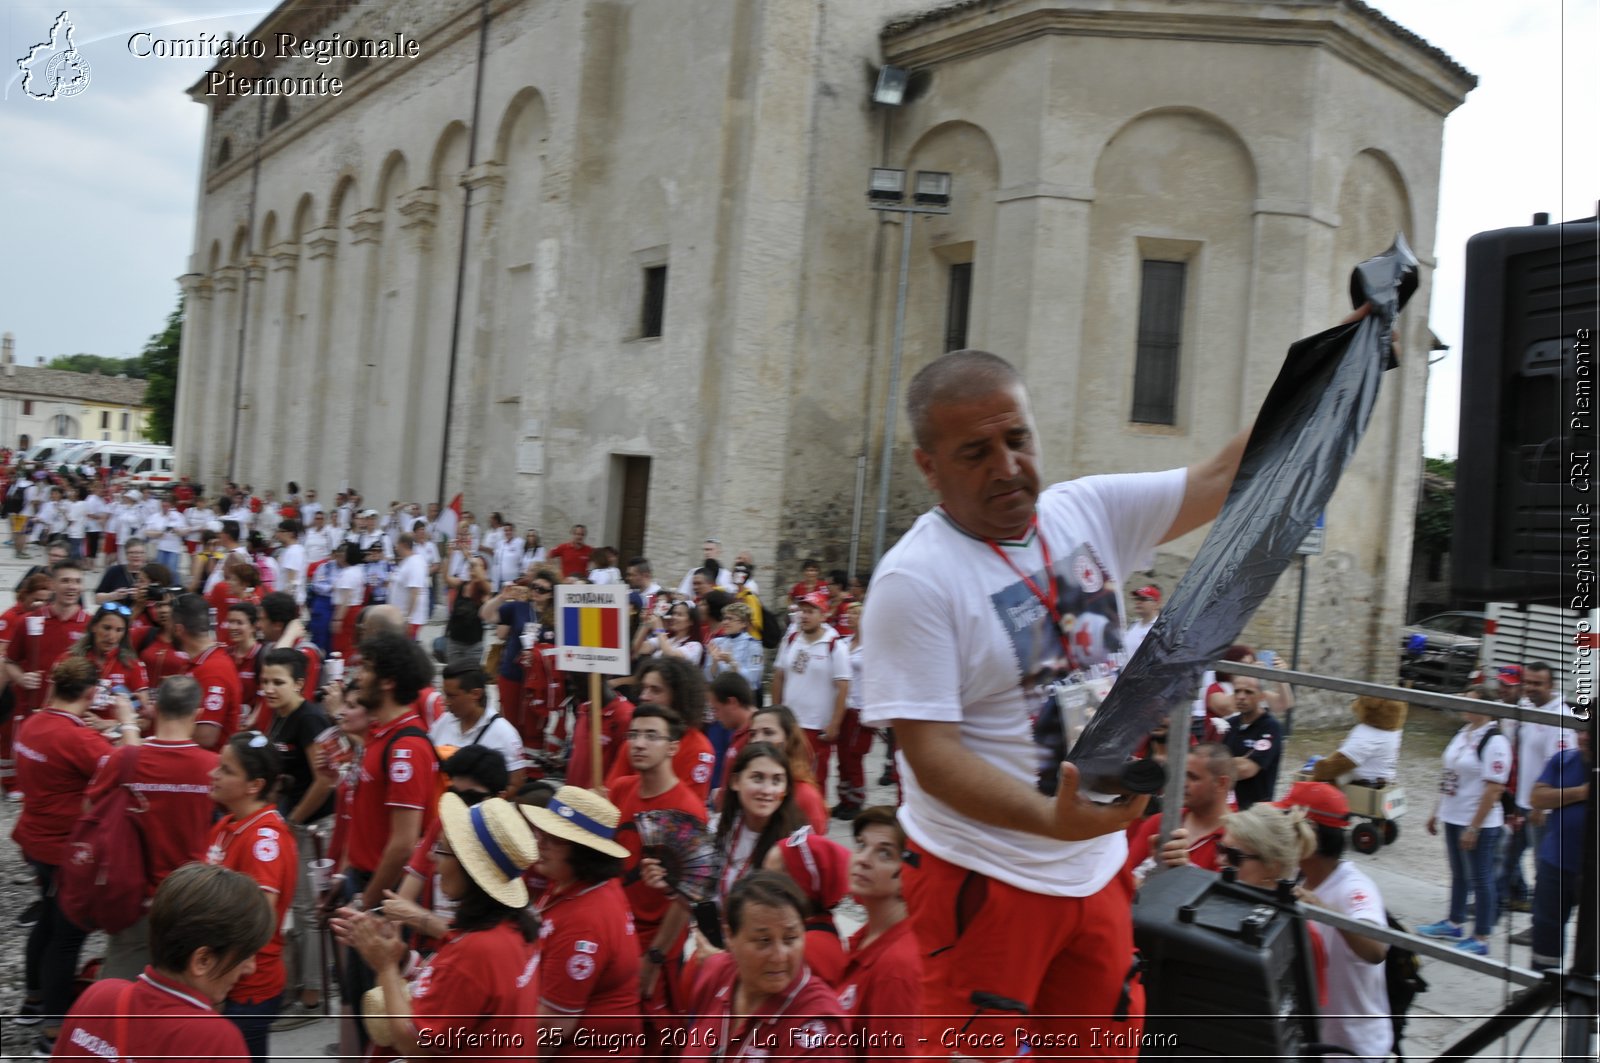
(592, 627)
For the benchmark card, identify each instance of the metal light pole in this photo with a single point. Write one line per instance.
(886, 194)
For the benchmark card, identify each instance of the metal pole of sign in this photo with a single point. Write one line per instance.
(893, 398)
(1294, 651)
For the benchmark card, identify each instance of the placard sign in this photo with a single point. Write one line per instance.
(592, 628)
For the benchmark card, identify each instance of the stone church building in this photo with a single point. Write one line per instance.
(612, 261)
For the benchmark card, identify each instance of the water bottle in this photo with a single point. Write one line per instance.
(336, 668)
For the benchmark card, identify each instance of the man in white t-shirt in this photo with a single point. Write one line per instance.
(960, 637)
(468, 721)
(812, 677)
(1146, 608)
(1357, 1012)
(319, 539)
(310, 508)
(291, 561)
(408, 584)
(1535, 744)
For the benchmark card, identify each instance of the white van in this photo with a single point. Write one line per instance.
(49, 448)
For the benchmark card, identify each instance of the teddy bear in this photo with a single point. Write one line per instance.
(1370, 753)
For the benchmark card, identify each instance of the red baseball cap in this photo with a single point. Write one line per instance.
(1149, 591)
(1324, 803)
(819, 864)
(819, 599)
(1510, 673)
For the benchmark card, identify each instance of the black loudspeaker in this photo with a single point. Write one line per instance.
(1227, 969)
(1525, 470)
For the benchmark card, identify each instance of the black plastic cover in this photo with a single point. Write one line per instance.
(1303, 437)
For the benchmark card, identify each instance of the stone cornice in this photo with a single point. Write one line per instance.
(323, 242)
(285, 255)
(190, 283)
(227, 278)
(366, 226)
(419, 210)
(256, 268)
(1349, 30)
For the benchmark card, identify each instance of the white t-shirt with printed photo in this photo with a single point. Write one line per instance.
(955, 636)
(1465, 775)
(810, 670)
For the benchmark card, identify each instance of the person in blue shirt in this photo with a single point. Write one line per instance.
(1563, 789)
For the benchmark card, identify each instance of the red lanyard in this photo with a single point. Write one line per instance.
(1049, 602)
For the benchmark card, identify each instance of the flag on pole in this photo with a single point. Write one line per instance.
(450, 519)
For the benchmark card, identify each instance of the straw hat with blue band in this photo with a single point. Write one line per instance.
(493, 844)
(580, 816)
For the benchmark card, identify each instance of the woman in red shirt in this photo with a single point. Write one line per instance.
(35, 591)
(106, 644)
(58, 749)
(476, 997)
(588, 954)
(776, 724)
(882, 981)
(759, 1000)
(254, 840)
(820, 866)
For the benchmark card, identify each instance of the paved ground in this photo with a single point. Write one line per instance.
(1411, 874)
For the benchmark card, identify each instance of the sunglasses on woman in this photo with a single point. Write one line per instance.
(1235, 857)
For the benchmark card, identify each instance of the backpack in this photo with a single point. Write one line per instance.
(771, 628)
(106, 846)
(1508, 797)
(1402, 978)
(388, 748)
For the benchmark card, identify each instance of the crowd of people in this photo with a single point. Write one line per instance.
(421, 831)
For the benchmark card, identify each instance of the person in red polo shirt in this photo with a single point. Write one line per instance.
(733, 702)
(614, 720)
(588, 963)
(58, 751)
(173, 775)
(397, 785)
(33, 593)
(206, 925)
(478, 996)
(282, 628)
(574, 556)
(675, 684)
(46, 636)
(881, 985)
(212, 668)
(660, 925)
(759, 1000)
(254, 840)
(153, 639)
(245, 650)
(106, 644)
(1209, 774)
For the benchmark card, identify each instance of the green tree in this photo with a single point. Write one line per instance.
(159, 365)
(98, 363)
(1436, 509)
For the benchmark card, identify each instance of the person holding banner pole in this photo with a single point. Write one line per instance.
(591, 636)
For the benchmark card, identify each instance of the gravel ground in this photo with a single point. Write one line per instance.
(1411, 874)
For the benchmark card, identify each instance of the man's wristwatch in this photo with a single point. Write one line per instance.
(655, 956)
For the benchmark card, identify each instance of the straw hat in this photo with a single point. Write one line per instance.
(492, 843)
(580, 816)
(375, 1018)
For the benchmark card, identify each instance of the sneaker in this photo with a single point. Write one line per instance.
(1523, 936)
(294, 1015)
(1474, 946)
(30, 915)
(1443, 929)
(30, 1014)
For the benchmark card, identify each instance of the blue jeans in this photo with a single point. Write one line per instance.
(1512, 884)
(1555, 893)
(169, 558)
(255, 1022)
(1473, 872)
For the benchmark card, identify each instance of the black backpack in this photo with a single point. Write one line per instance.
(1402, 976)
(772, 627)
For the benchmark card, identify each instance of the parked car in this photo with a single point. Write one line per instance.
(1441, 652)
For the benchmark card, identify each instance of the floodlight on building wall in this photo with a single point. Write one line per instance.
(931, 188)
(891, 88)
(886, 185)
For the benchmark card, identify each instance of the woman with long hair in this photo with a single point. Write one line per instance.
(479, 988)
(106, 643)
(677, 633)
(778, 725)
(463, 629)
(758, 811)
(253, 839)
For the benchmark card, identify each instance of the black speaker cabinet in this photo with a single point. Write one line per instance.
(1528, 380)
(1227, 969)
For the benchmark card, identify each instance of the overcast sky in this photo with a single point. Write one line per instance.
(98, 199)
